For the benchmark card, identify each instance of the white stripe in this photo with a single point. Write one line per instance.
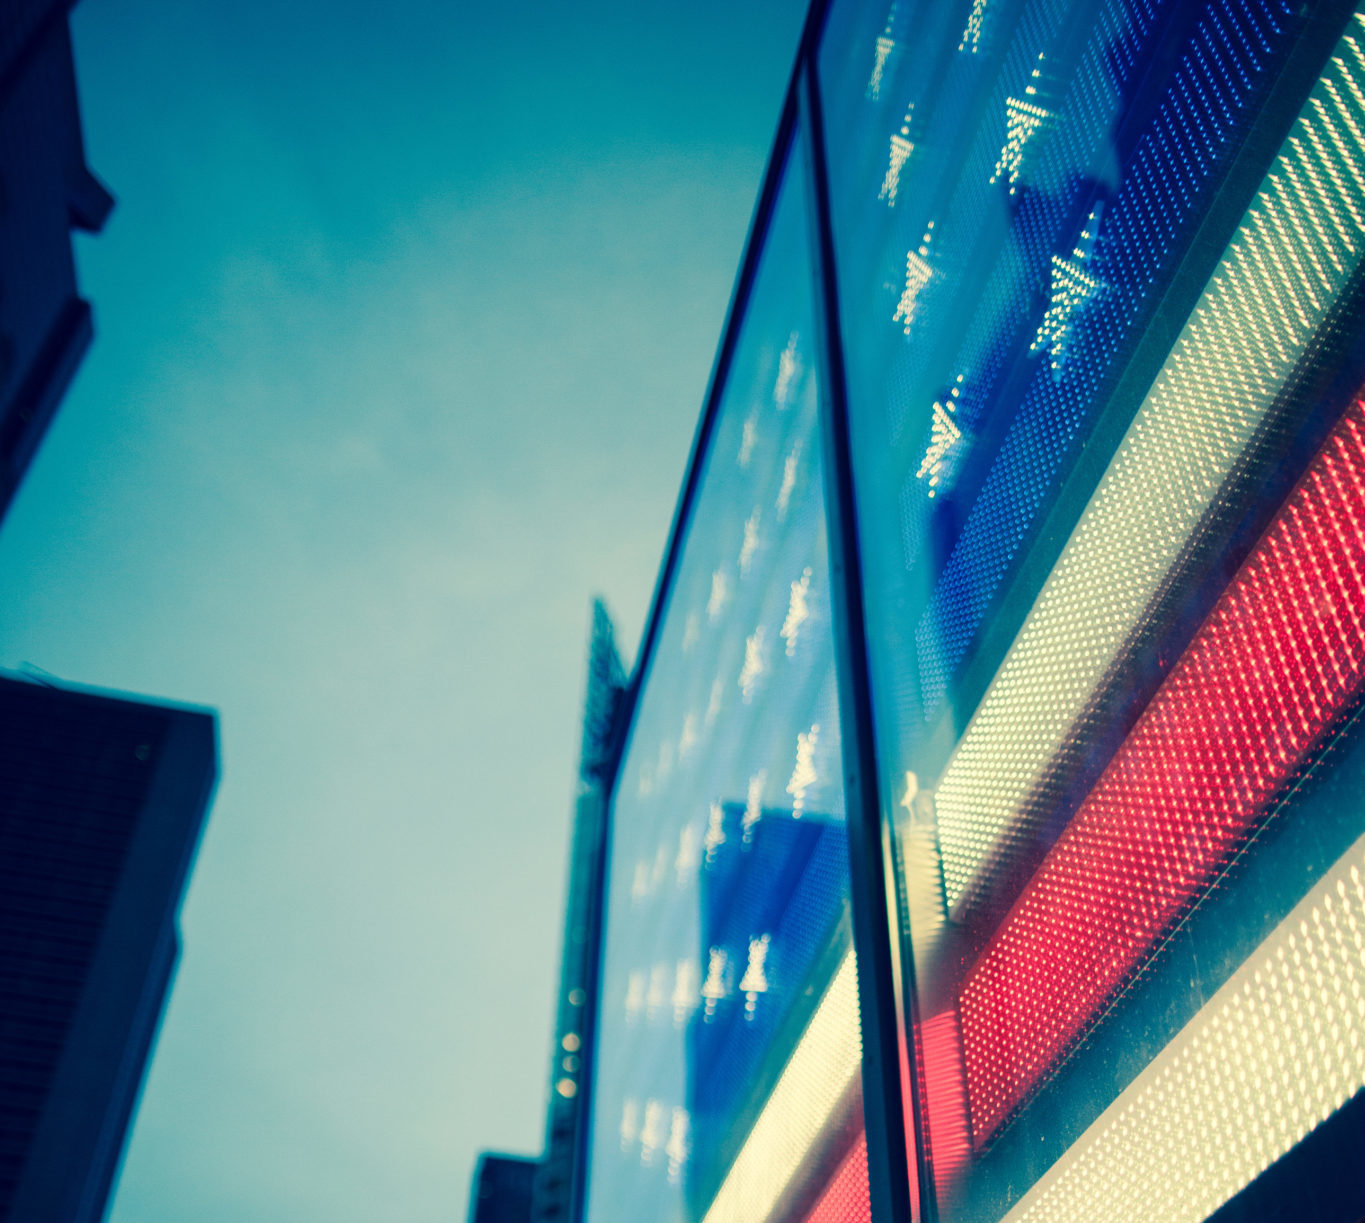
(1271, 1055)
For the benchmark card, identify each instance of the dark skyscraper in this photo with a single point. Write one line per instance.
(102, 801)
(515, 1189)
(102, 798)
(46, 191)
(554, 1185)
(501, 1191)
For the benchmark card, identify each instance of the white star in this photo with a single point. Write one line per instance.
(881, 54)
(788, 486)
(720, 591)
(750, 543)
(679, 1144)
(918, 276)
(715, 832)
(713, 989)
(901, 148)
(788, 366)
(971, 36)
(635, 996)
(753, 807)
(691, 632)
(944, 434)
(652, 1132)
(658, 987)
(803, 775)
(748, 437)
(753, 663)
(755, 980)
(1024, 119)
(689, 853)
(686, 986)
(1073, 288)
(713, 704)
(688, 739)
(798, 611)
(630, 1123)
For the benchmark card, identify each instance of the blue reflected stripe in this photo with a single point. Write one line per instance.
(790, 881)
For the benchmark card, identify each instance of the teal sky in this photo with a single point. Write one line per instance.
(404, 318)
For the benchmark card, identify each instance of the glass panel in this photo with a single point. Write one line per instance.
(727, 1072)
(1100, 281)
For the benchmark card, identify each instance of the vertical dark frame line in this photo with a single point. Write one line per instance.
(870, 883)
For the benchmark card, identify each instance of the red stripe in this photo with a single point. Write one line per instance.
(945, 1102)
(1268, 672)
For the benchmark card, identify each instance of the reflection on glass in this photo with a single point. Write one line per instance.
(727, 1066)
(1099, 272)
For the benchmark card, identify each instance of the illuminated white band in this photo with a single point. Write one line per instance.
(823, 1066)
(1275, 1052)
(1298, 245)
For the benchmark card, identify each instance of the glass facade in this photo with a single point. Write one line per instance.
(727, 1039)
(1074, 292)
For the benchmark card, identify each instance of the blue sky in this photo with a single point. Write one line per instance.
(403, 319)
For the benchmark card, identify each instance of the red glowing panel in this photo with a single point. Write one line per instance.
(848, 1197)
(1275, 663)
(945, 1097)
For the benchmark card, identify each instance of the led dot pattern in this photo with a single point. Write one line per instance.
(1185, 452)
(945, 1096)
(848, 1197)
(1164, 187)
(1273, 1053)
(1270, 670)
(1033, 220)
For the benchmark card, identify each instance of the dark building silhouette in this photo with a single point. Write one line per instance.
(102, 800)
(46, 191)
(501, 1192)
(554, 1186)
(506, 1187)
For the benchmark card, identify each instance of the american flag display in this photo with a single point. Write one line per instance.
(1092, 310)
